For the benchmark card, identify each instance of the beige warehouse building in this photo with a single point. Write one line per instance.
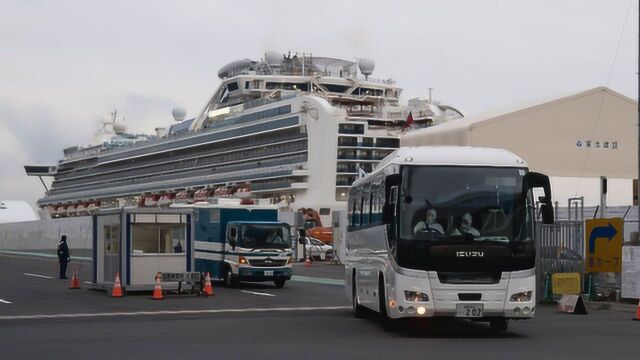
(574, 139)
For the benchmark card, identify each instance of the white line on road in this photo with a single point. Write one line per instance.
(5, 301)
(170, 312)
(38, 275)
(257, 293)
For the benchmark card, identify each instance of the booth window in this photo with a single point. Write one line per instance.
(158, 238)
(111, 239)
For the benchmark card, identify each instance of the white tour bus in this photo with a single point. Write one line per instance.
(445, 231)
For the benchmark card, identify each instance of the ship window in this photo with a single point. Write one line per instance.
(232, 86)
(351, 129)
(336, 88)
(246, 84)
(367, 91)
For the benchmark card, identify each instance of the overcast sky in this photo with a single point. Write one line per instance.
(65, 64)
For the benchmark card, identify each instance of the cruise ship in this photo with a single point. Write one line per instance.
(291, 129)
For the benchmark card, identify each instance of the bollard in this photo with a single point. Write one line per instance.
(591, 287)
(548, 295)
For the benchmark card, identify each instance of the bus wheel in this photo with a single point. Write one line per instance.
(499, 324)
(279, 283)
(229, 281)
(385, 320)
(358, 311)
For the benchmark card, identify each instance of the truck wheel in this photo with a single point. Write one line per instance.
(279, 283)
(499, 325)
(229, 281)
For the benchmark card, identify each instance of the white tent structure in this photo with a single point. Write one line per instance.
(16, 211)
(574, 139)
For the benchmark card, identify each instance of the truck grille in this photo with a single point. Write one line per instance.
(268, 262)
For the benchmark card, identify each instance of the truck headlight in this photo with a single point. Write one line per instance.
(521, 296)
(413, 296)
(242, 260)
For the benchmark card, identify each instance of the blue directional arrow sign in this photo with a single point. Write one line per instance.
(607, 232)
(603, 238)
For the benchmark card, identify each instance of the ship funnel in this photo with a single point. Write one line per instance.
(179, 113)
(366, 66)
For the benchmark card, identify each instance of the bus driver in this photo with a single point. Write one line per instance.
(429, 224)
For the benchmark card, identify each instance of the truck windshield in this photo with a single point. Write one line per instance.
(463, 204)
(264, 237)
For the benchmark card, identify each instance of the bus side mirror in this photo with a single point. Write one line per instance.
(547, 213)
(534, 180)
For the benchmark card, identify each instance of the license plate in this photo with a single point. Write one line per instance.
(469, 310)
(268, 273)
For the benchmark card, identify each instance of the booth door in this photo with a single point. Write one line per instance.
(112, 246)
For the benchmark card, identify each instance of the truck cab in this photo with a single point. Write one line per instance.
(242, 243)
(258, 251)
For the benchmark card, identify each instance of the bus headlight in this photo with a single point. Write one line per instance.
(413, 296)
(521, 296)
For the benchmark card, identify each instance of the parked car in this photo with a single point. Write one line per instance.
(317, 249)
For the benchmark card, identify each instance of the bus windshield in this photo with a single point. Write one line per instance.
(264, 237)
(463, 204)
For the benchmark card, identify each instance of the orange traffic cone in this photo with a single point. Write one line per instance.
(637, 312)
(208, 288)
(75, 282)
(307, 262)
(157, 289)
(117, 287)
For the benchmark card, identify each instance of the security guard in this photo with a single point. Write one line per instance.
(63, 256)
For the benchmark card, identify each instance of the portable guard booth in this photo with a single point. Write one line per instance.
(138, 243)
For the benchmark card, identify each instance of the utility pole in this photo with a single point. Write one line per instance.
(638, 104)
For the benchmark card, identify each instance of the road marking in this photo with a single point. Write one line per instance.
(256, 293)
(171, 312)
(5, 301)
(88, 282)
(39, 276)
(317, 280)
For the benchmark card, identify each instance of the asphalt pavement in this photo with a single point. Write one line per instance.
(40, 318)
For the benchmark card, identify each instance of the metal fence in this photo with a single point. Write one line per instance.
(560, 247)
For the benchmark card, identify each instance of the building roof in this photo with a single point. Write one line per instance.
(469, 122)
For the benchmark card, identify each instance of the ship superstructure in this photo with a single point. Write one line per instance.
(297, 129)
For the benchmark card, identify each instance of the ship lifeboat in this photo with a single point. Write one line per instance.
(201, 195)
(53, 211)
(243, 192)
(151, 201)
(71, 210)
(61, 210)
(83, 208)
(183, 197)
(93, 206)
(166, 199)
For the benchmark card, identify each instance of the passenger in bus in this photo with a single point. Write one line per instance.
(465, 226)
(430, 224)
(178, 248)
